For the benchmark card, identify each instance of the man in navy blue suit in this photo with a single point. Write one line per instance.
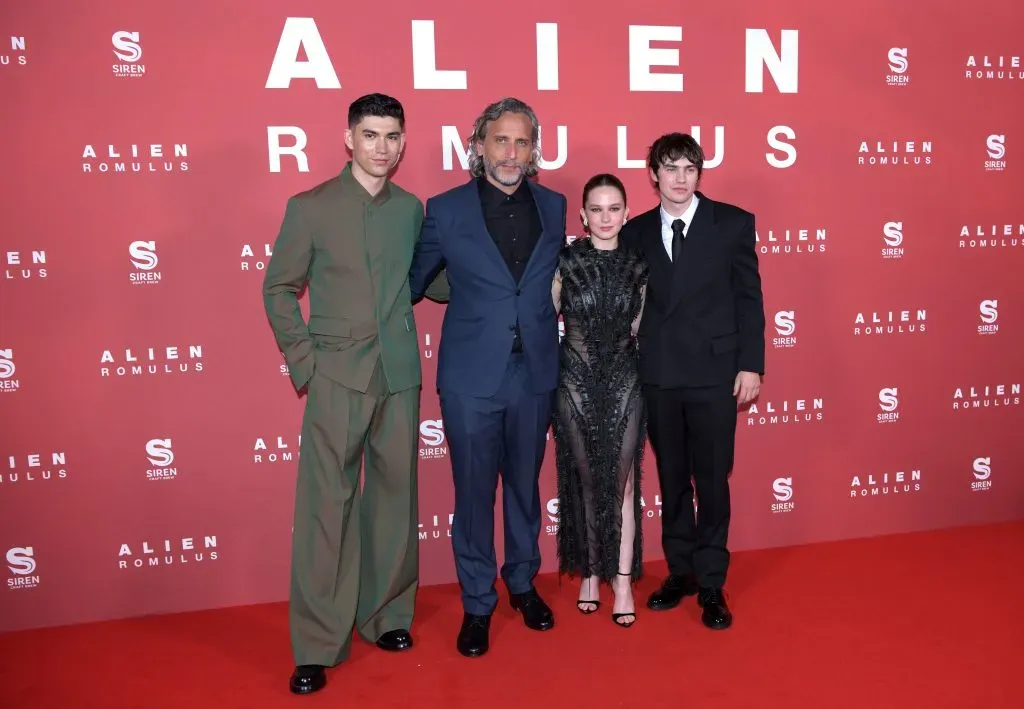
(498, 237)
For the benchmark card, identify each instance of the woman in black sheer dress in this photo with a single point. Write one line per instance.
(599, 423)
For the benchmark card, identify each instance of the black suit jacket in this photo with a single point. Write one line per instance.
(703, 318)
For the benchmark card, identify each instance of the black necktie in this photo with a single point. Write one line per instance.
(677, 239)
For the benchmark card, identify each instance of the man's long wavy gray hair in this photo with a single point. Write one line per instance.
(493, 113)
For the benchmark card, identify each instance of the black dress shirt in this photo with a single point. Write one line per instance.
(514, 223)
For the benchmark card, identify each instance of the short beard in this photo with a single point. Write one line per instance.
(492, 170)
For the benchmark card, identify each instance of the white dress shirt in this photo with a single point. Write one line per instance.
(666, 224)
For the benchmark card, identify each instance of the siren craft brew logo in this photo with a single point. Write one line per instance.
(551, 509)
(782, 490)
(785, 328)
(995, 145)
(160, 454)
(127, 49)
(892, 238)
(988, 311)
(144, 259)
(8, 368)
(21, 562)
(889, 405)
(982, 469)
(899, 63)
(432, 439)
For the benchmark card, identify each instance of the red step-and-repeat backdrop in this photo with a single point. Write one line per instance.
(150, 435)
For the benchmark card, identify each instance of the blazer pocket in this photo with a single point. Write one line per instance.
(329, 327)
(333, 343)
(725, 343)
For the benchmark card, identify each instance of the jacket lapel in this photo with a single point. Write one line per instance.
(699, 237)
(655, 247)
(478, 229)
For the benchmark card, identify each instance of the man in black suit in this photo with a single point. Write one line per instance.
(702, 347)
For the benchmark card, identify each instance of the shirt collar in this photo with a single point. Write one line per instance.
(359, 192)
(687, 217)
(492, 196)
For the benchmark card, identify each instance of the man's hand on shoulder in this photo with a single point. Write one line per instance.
(439, 291)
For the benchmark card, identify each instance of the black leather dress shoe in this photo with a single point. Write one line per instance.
(536, 614)
(308, 679)
(395, 641)
(674, 589)
(716, 613)
(473, 640)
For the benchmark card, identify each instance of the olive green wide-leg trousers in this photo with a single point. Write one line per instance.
(355, 555)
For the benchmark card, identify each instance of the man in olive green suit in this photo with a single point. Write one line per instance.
(355, 556)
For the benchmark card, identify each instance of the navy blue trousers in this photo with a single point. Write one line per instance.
(504, 433)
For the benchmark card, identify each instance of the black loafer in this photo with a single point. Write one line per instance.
(536, 614)
(395, 641)
(307, 679)
(716, 613)
(473, 640)
(672, 592)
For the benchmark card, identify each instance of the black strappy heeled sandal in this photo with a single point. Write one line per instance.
(584, 611)
(616, 616)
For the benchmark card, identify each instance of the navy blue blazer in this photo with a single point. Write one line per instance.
(485, 301)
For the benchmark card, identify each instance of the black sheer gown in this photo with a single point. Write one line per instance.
(600, 420)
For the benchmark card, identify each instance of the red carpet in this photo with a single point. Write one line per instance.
(922, 620)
